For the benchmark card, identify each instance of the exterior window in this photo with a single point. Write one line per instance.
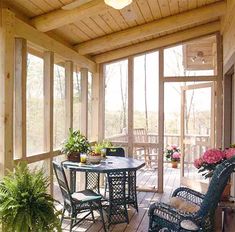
(116, 100)
(59, 107)
(35, 108)
(76, 100)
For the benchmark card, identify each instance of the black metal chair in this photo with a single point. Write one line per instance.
(167, 218)
(115, 151)
(117, 210)
(131, 195)
(77, 202)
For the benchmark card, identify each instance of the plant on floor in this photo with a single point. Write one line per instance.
(172, 153)
(25, 205)
(209, 160)
(76, 144)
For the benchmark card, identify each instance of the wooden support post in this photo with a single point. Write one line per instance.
(20, 98)
(69, 95)
(98, 105)
(219, 92)
(84, 101)
(48, 111)
(161, 123)
(7, 42)
(130, 105)
(101, 114)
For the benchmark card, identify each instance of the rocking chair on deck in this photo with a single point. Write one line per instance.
(149, 155)
(163, 217)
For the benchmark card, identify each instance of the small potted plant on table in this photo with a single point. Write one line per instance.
(173, 154)
(75, 145)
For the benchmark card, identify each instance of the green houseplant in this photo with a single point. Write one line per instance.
(25, 205)
(76, 144)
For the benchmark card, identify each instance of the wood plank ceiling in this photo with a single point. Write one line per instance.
(111, 20)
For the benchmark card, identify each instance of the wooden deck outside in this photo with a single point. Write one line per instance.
(139, 221)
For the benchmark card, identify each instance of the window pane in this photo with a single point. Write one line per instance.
(76, 100)
(146, 92)
(116, 96)
(194, 58)
(34, 102)
(59, 106)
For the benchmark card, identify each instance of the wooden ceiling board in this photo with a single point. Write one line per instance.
(138, 16)
(129, 15)
(43, 5)
(93, 26)
(201, 3)
(86, 29)
(174, 6)
(145, 10)
(99, 20)
(193, 4)
(183, 5)
(31, 9)
(56, 4)
(71, 31)
(155, 9)
(108, 18)
(119, 19)
(164, 7)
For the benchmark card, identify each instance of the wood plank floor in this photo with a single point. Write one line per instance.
(139, 221)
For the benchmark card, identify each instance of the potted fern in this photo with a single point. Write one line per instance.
(25, 204)
(76, 144)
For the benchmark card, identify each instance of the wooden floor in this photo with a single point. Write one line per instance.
(139, 221)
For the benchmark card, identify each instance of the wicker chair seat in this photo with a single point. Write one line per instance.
(85, 196)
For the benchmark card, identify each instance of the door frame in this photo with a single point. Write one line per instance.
(184, 180)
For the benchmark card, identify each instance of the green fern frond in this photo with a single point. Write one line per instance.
(25, 204)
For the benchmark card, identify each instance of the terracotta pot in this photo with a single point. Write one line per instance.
(75, 156)
(174, 164)
(226, 193)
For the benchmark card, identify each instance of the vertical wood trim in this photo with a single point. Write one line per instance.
(219, 92)
(69, 95)
(7, 42)
(20, 97)
(48, 110)
(161, 123)
(212, 133)
(84, 101)
(182, 132)
(95, 105)
(101, 113)
(227, 112)
(130, 105)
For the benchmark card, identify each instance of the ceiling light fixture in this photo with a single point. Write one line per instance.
(118, 4)
(199, 57)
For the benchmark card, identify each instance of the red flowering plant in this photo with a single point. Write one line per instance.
(173, 153)
(211, 158)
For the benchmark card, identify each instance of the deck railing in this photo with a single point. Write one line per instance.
(195, 145)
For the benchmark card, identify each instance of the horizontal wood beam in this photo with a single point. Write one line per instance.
(167, 24)
(163, 41)
(58, 18)
(47, 43)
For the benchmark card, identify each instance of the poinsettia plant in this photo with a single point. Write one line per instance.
(208, 161)
(173, 153)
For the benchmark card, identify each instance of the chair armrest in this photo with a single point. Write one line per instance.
(162, 209)
(189, 195)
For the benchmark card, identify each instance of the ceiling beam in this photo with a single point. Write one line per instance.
(58, 18)
(167, 24)
(163, 41)
(46, 43)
